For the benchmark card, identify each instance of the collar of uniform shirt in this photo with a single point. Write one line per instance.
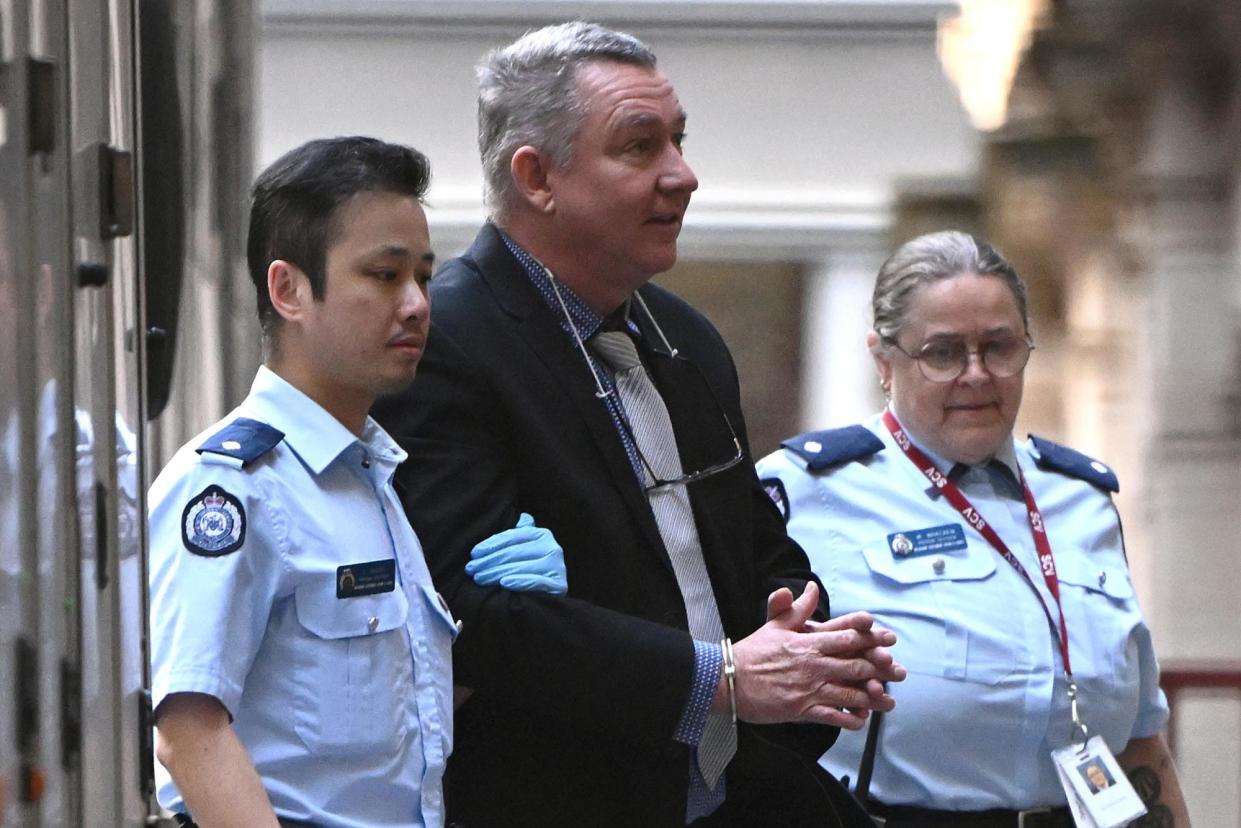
(1006, 453)
(316, 436)
(582, 316)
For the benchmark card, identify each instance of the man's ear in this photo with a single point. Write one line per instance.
(529, 169)
(289, 289)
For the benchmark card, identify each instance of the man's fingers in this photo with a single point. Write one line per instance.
(895, 672)
(859, 620)
(796, 613)
(855, 697)
(852, 644)
(779, 602)
(836, 717)
(804, 606)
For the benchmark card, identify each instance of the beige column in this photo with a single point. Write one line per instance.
(839, 384)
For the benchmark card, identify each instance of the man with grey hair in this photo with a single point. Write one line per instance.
(684, 678)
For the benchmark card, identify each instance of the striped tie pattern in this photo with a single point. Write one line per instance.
(652, 431)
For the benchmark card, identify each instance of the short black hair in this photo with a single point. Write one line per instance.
(294, 201)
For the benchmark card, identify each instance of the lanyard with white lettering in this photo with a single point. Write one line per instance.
(971, 515)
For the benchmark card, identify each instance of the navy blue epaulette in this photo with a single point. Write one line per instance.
(823, 449)
(1056, 457)
(243, 439)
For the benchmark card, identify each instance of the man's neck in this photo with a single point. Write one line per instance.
(602, 295)
(348, 409)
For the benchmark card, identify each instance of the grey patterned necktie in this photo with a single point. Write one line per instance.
(652, 431)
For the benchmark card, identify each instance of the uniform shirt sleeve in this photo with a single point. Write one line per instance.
(708, 664)
(209, 613)
(1152, 703)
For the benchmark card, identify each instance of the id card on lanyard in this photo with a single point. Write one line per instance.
(1107, 800)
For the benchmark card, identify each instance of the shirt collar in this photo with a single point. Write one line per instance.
(1007, 454)
(581, 318)
(316, 436)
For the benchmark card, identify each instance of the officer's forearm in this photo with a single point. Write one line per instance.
(197, 744)
(1148, 764)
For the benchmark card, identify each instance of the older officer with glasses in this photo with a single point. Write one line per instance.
(558, 382)
(999, 564)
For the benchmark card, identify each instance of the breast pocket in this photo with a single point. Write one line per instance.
(943, 608)
(355, 672)
(1101, 612)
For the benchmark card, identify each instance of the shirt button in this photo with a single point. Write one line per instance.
(938, 565)
(1102, 577)
(372, 623)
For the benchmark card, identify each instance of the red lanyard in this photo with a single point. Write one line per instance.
(959, 501)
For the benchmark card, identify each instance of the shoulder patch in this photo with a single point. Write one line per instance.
(774, 487)
(244, 439)
(213, 523)
(823, 449)
(1058, 458)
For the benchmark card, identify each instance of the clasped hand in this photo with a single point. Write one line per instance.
(793, 669)
(524, 558)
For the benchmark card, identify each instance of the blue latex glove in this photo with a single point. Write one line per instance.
(524, 558)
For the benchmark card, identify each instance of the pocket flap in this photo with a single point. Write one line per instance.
(325, 615)
(1106, 577)
(958, 565)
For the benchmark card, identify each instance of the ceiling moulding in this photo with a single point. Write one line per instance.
(770, 230)
(802, 18)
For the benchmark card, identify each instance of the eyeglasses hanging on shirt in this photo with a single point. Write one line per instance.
(652, 480)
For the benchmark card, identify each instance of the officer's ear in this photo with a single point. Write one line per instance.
(883, 363)
(288, 287)
(529, 169)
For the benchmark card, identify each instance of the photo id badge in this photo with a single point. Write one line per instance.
(1098, 791)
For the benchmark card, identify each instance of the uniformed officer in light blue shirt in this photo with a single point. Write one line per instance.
(986, 700)
(301, 667)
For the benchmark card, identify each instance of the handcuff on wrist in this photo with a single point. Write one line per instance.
(730, 673)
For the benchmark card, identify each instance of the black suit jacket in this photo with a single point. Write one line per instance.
(576, 698)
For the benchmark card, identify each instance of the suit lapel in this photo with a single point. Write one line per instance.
(540, 328)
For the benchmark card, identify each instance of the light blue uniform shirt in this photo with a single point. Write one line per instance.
(985, 702)
(344, 703)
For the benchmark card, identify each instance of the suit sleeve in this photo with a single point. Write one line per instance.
(556, 657)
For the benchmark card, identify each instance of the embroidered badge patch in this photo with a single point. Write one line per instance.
(354, 580)
(774, 487)
(947, 538)
(213, 523)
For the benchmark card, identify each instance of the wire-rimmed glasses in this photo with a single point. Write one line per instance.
(944, 359)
